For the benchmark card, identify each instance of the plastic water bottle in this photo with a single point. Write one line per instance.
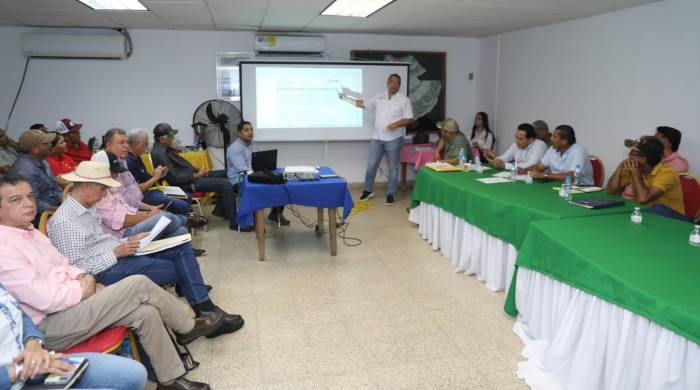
(636, 217)
(694, 238)
(462, 158)
(477, 162)
(513, 170)
(475, 152)
(577, 176)
(528, 178)
(565, 191)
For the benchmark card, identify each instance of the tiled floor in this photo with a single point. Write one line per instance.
(388, 314)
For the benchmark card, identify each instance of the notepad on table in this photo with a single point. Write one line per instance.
(442, 167)
(597, 203)
(494, 180)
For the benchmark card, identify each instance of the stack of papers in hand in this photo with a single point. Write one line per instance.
(442, 167)
(161, 245)
(173, 191)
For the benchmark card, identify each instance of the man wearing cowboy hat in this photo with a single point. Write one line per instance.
(68, 305)
(34, 146)
(76, 230)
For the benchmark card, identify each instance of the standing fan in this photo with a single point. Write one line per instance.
(217, 120)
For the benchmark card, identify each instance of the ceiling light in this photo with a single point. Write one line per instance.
(356, 8)
(118, 5)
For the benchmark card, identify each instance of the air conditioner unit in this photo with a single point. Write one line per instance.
(289, 44)
(74, 46)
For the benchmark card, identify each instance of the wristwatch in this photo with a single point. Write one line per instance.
(30, 338)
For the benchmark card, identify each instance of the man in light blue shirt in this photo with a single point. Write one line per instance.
(240, 153)
(239, 157)
(526, 151)
(563, 157)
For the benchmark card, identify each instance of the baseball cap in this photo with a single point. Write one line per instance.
(92, 172)
(449, 125)
(32, 138)
(162, 129)
(110, 159)
(65, 126)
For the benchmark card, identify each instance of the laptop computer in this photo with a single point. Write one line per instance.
(265, 160)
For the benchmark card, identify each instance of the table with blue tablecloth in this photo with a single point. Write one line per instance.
(324, 193)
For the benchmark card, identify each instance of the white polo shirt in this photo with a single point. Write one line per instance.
(525, 158)
(389, 110)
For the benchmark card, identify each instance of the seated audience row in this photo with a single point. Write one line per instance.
(649, 176)
(67, 303)
(23, 356)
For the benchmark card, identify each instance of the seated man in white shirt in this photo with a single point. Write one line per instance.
(526, 151)
(563, 157)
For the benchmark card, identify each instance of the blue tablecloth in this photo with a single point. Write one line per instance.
(323, 193)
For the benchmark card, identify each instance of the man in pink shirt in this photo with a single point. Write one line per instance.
(122, 220)
(671, 139)
(68, 305)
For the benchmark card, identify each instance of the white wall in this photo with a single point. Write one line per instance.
(172, 72)
(612, 76)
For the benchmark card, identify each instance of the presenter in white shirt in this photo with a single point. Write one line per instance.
(392, 113)
(526, 151)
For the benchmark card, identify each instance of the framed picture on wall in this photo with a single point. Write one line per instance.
(427, 76)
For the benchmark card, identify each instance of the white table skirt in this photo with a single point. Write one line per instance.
(469, 249)
(576, 341)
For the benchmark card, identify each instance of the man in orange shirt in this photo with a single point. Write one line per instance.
(652, 180)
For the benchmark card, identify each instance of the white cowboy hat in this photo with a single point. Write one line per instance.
(92, 172)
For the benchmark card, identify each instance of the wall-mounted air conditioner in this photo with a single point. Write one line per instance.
(74, 46)
(290, 44)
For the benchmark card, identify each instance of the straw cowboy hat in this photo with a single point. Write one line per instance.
(92, 172)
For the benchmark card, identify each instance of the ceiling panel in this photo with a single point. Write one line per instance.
(65, 5)
(323, 23)
(230, 14)
(468, 18)
(136, 19)
(182, 14)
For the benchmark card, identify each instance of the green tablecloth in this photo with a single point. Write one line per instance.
(502, 210)
(649, 269)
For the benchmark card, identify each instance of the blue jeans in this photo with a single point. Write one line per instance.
(171, 266)
(178, 206)
(176, 227)
(218, 182)
(376, 152)
(667, 212)
(111, 372)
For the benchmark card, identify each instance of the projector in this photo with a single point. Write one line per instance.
(300, 173)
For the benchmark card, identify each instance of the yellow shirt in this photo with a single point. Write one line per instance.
(665, 178)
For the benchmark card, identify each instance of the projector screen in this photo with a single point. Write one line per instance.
(298, 101)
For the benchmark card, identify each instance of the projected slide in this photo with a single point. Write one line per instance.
(307, 97)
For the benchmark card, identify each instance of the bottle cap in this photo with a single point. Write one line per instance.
(636, 208)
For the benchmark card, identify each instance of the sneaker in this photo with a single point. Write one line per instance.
(366, 195)
(389, 200)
